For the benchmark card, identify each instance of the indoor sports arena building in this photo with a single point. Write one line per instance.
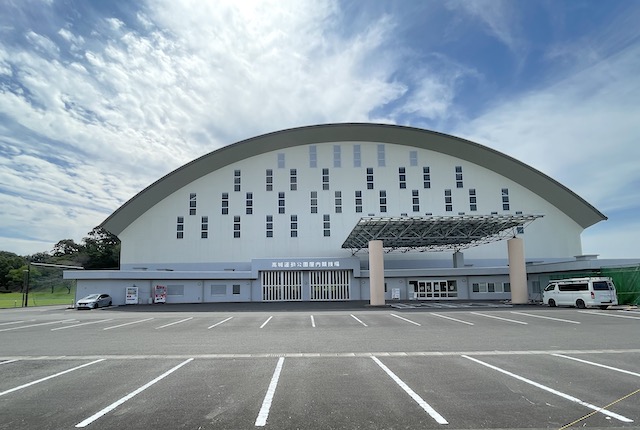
(346, 212)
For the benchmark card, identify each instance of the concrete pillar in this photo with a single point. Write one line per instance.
(517, 272)
(376, 273)
(458, 259)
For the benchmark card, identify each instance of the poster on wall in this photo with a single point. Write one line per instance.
(160, 295)
(131, 295)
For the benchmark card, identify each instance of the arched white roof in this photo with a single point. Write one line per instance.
(555, 193)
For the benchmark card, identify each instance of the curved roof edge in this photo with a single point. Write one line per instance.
(557, 194)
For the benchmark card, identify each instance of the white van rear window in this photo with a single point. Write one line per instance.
(601, 286)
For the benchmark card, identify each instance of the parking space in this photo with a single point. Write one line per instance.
(358, 368)
(459, 391)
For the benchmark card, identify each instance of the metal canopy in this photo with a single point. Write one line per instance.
(434, 233)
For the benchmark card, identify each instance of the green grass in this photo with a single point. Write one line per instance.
(37, 298)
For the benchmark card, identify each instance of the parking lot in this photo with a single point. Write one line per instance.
(319, 367)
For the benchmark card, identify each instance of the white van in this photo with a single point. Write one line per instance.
(581, 293)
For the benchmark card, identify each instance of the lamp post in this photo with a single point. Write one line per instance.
(26, 290)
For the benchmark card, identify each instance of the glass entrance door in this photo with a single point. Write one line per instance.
(435, 290)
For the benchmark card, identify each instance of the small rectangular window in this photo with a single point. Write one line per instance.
(314, 202)
(236, 289)
(325, 179)
(225, 203)
(381, 155)
(180, 228)
(358, 201)
(294, 225)
(280, 160)
(269, 180)
(313, 156)
(413, 158)
(269, 225)
(326, 225)
(337, 161)
(357, 160)
(426, 177)
(369, 178)
(383, 201)
(236, 226)
(236, 180)
(204, 227)
(192, 204)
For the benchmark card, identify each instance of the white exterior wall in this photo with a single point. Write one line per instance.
(151, 239)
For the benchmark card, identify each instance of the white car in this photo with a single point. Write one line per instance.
(94, 301)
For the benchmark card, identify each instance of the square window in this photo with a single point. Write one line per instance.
(204, 235)
(236, 234)
(236, 289)
(180, 235)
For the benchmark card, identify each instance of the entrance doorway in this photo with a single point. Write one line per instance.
(435, 289)
(281, 286)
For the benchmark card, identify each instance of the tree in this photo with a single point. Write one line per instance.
(8, 262)
(67, 247)
(102, 249)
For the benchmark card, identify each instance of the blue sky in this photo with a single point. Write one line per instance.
(98, 99)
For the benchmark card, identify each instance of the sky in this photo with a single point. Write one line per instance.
(100, 98)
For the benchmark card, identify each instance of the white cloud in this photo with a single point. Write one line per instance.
(499, 18)
(582, 130)
(133, 106)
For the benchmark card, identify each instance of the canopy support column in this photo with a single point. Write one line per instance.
(376, 273)
(458, 259)
(517, 272)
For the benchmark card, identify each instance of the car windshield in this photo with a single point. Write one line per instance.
(91, 297)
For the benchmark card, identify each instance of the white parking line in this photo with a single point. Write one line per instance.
(551, 390)
(419, 400)
(499, 318)
(603, 314)
(404, 319)
(261, 420)
(114, 405)
(8, 361)
(49, 377)
(36, 325)
(81, 324)
(356, 318)
(546, 318)
(452, 319)
(313, 322)
(628, 372)
(175, 322)
(266, 322)
(218, 323)
(129, 323)
(14, 322)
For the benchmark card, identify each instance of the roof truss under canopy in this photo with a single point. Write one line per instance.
(434, 233)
